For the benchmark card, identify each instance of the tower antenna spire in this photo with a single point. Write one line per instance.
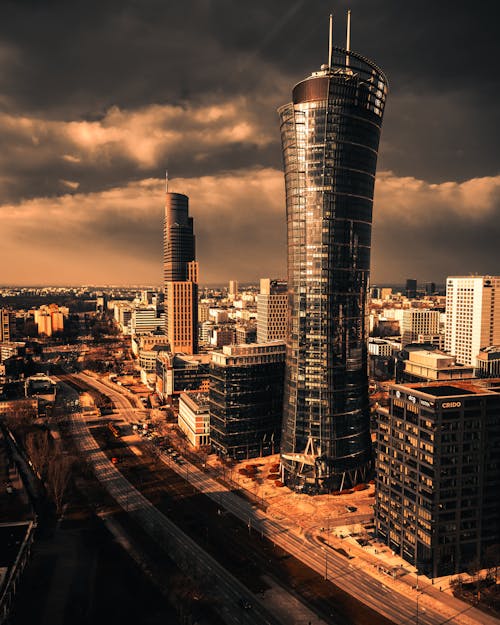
(330, 42)
(348, 37)
(166, 180)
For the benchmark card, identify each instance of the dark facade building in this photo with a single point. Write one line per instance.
(330, 136)
(430, 288)
(246, 399)
(178, 373)
(438, 474)
(411, 288)
(180, 276)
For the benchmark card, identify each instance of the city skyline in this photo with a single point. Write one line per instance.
(91, 119)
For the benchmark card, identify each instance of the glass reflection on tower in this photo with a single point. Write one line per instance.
(330, 136)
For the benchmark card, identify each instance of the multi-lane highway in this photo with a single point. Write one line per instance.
(398, 607)
(232, 595)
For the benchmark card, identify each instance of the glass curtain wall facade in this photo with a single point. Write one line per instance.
(330, 136)
(246, 399)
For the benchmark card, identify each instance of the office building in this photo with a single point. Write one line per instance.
(180, 276)
(194, 418)
(246, 399)
(411, 288)
(181, 373)
(438, 475)
(122, 314)
(430, 288)
(488, 363)
(330, 136)
(430, 366)
(431, 339)
(224, 334)
(245, 333)
(472, 316)
(147, 342)
(146, 319)
(272, 310)
(418, 321)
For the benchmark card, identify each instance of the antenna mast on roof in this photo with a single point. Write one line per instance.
(348, 37)
(166, 181)
(330, 42)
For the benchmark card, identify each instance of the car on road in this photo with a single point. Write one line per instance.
(246, 605)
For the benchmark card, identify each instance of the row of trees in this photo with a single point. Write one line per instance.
(53, 466)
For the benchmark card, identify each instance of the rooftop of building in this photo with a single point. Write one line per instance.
(196, 401)
(248, 349)
(456, 389)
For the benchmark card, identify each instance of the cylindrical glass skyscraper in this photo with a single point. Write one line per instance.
(180, 271)
(330, 136)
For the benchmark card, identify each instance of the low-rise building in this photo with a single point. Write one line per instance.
(9, 349)
(488, 363)
(430, 366)
(194, 418)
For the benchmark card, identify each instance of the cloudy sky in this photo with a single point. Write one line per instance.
(99, 97)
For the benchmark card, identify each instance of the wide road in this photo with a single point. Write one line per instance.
(392, 604)
(229, 591)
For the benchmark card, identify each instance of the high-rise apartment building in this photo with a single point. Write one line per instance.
(180, 276)
(5, 325)
(418, 321)
(330, 136)
(272, 310)
(472, 316)
(233, 289)
(438, 475)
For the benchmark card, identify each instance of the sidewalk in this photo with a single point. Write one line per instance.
(275, 503)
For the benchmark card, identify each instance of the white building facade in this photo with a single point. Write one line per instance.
(472, 316)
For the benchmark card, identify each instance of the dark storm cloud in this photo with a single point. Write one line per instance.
(76, 60)
(98, 96)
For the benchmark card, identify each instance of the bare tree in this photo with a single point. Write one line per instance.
(492, 558)
(38, 446)
(20, 414)
(58, 477)
(474, 570)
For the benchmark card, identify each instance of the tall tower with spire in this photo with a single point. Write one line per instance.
(180, 271)
(330, 135)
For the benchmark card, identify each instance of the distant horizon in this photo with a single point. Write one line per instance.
(211, 285)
